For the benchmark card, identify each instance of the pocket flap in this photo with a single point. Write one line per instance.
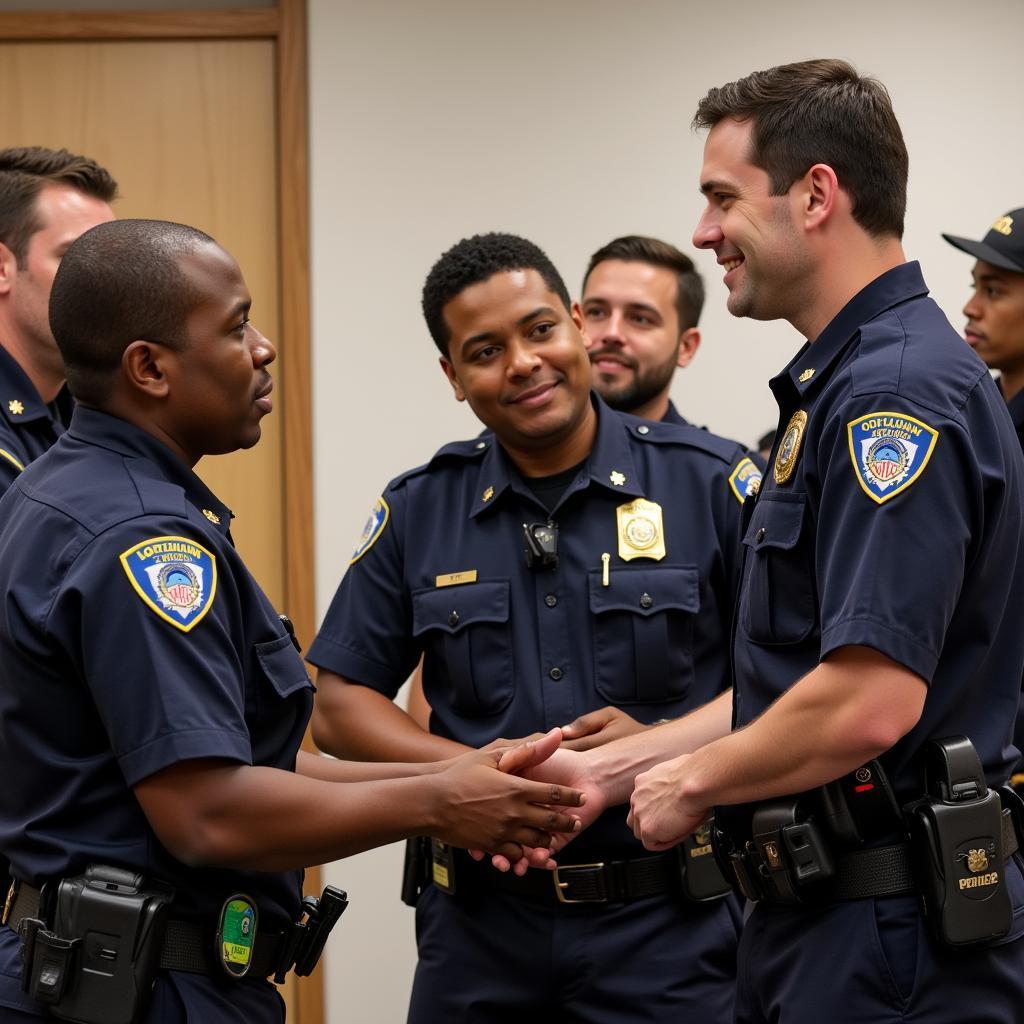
(283, 665)
(453, 608)
(775, 524)
(645, 591)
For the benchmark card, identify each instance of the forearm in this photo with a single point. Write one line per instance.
(617, 764)
(357, 723)
(327, 769)
(840, 715)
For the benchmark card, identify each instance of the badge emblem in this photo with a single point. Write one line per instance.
(212, 516)
(977, 860)
(175, 577)
(745, 479)
(789, 450)
(236, 934)
(640, 530)
(806, 375)
(375, 523)
(488, 494)
(15, 407)
(617, 478)
(889, 451)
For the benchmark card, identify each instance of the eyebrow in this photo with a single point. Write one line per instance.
(522, 321)
(642, 307)
(710, 185)
(242, 308)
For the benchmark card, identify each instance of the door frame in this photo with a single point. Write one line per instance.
(285, 25)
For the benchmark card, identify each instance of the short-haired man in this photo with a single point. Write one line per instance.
(568, 558)
(152, 701)
(879, 602)
(47, 199)
(640, 304)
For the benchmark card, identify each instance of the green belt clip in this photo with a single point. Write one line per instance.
(236, 934)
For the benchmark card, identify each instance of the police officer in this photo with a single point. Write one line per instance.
(47, 199)
(152, 702)
(995, 330)
(640, 304)
(569, 557)
(878, 607)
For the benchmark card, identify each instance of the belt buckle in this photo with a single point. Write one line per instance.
(561, 886)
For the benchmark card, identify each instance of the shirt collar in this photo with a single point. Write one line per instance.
(609, 465)
(813, 363)
(19, 400)
(1016, 408)
(117, 435)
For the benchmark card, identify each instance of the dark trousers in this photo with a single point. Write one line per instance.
(492, 957)
(872, 962)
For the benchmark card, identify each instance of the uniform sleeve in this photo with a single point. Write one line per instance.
(902, 495)
(10, 467)
(366, 636)
(148, 615)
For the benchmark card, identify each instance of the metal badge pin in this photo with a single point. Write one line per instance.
(605, 569)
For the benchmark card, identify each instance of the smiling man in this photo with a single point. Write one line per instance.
(878, 613)
(568, 558)
(640, 305)
(152, 701)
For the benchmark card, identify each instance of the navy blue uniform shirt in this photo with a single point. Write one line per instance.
(132, 637)
(28, 426)
(890, 517)
(672, 415)
(509, 650)
(1016, 408)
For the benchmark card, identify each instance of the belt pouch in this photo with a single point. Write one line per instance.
(702, 879)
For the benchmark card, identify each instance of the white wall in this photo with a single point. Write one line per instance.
(567, 122)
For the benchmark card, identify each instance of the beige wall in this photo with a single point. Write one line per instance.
(568, 123)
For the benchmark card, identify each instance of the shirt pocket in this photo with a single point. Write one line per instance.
(777, 600)
(643, 632)
(283, 706)
(467, 629)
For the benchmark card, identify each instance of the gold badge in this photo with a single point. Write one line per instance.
(806, 375)
(488, 494)
(789, 450)
(1004, 226)
(977, 860)
(15, 407)
(640, 530)
(212, 516)
(453, 579)
(616, 478)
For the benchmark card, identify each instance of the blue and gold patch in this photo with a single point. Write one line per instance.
(378, 519)
(745, 479)
(889, 452)
(174, 576)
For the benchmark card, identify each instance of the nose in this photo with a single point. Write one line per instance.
(522, 359)
(609, 331)
(263, 350)
(707, 234)
(973, 309)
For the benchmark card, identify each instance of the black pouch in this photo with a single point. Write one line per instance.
(98, 962)
(415, 870)
(957, 839)
(702, 878)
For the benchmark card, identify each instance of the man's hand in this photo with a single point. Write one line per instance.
(599, 727)
(504, 744)
(659, 815)
(483, 807)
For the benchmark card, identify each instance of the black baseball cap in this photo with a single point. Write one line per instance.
(1003, 246)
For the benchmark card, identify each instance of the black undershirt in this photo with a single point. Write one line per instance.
(549, 489)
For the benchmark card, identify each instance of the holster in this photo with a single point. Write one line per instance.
(93, 957)
(415, 869)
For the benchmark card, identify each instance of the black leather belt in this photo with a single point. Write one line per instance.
(613, 881)
(187, 946)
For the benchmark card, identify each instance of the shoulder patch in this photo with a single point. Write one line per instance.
(889, 451)
(11, 459)
(175, 577)
(745, 479)
(375, 523)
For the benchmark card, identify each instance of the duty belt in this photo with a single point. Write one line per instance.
(612, 881)
(878, 871)
(187, 946)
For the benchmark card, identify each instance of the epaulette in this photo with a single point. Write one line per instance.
(654, 432)
(454, 452)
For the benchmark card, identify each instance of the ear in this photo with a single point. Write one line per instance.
(820, 195)
(8, 269)
(449, 372)
(143, 364)
(689, 342)
(576, 312)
